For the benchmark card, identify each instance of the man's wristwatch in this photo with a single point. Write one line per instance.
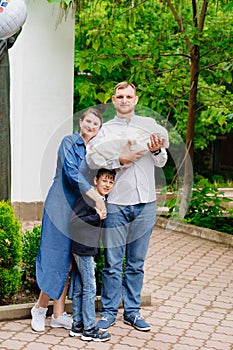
(155, 153)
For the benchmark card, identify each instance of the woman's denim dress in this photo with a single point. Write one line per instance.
(53, 259)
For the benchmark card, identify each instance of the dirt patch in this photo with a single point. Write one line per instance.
(22, 297)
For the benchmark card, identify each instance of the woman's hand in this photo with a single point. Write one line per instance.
(102, 212)
(100, 206)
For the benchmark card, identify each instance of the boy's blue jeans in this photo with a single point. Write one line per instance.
(127, 233)
(83, 303)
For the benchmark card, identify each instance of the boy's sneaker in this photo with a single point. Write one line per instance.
(95, 334)
(137, 322)
(63, 321)
(76, 329)
(38, 318)
(105, 322)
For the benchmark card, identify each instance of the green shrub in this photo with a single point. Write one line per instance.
(206, 208)
(99, 260)
(31, 243)
(10, 252)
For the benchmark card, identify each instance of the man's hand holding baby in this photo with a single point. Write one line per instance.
(129, 156)
(156, 143)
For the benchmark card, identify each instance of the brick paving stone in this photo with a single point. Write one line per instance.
(184, 347)
(6, 334)
(158, 322)
(184, 317)
(230, 316)
(202, 327)
(179, 297)
(218, 345)
(13, 326)
(49, 339)
(119, 331)
(207, 321)
(13, 344)
(96, 345)
(165, 337)
(60, 347)
(168, 309)
(70, 341)
(190, 341)
(217, 315)
(176, 304)
(158, 345)
(179, 324)
(191, 312)
(141, 335)
(38, 346)
(226, 324)
(196, 334)
(124, 347)
(223, 337)
(137, 342)
(173, 331)
(32, 336)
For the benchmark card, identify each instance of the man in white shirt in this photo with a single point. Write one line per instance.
(131, 209)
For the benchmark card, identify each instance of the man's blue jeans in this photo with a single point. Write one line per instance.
(127, 233)
(83, 303)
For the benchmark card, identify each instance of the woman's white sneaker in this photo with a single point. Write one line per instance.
(63, 321)
(38, 318)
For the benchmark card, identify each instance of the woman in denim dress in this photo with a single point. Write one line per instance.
(53, 262)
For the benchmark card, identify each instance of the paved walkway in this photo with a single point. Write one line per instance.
(191, 282)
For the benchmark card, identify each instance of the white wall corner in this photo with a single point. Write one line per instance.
(42, 71)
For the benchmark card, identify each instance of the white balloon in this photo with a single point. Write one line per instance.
(13, 14)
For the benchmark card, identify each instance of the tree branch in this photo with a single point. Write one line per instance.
(202, 16)
(176, 54)
(194, 5)
(215, 64)
(179, 21)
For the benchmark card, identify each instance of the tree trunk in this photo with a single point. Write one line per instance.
(5, 154)
(5, 137)
(192, 109)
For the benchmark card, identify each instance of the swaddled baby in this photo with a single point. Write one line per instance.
(111, 146)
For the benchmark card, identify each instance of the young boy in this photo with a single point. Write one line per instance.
(85, 228)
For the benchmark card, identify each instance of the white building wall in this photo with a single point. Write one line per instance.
(41, 64)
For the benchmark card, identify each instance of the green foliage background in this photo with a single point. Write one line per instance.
(116, 41)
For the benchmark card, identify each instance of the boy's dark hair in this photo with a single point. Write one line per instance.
(103, 171)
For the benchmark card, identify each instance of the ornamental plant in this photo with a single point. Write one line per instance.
(31, 243)
(10, 252)
(208, 207)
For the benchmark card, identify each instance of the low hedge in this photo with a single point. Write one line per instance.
(10, 252)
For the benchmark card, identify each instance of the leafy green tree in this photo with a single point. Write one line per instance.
(118, 40)
(203, 55)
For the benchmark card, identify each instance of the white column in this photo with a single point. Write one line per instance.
(41, 65)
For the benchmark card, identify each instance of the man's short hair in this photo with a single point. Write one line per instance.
(124, 85)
